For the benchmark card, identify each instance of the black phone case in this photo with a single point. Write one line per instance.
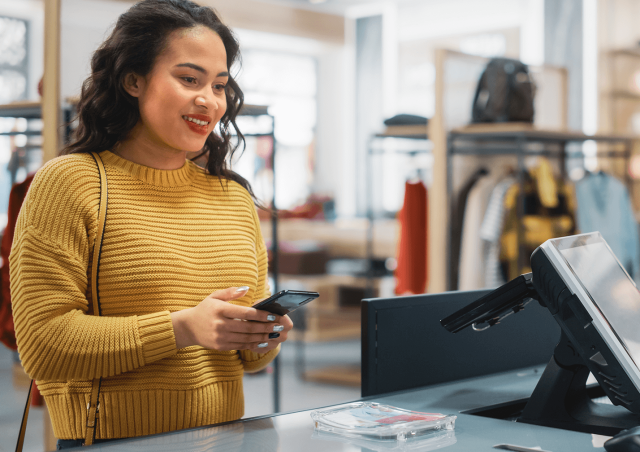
(272, 305)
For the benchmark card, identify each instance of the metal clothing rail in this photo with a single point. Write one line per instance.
(259, 110)
(489, 140)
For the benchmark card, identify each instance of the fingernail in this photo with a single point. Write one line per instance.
(263, 345)
(242, 289)
(271, 318)
(274, 335)
(278, 328)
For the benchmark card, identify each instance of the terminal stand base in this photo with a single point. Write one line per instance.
(560, 399)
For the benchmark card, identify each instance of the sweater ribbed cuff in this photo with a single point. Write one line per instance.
(157, 336)
(254, 362)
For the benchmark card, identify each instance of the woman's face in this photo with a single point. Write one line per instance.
(183, 97)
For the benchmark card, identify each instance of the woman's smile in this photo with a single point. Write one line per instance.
(198, 123)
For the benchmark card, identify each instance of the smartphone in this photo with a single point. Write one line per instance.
(286, 301)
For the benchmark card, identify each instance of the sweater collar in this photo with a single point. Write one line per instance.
(162, 178)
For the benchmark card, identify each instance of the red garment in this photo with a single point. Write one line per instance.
(411, 273)
(7, 331)
(16, 197)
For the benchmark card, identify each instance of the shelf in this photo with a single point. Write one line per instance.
(329, 324)
(399, 152)
(415, 132)
(625, 95)
(511, 131)
(26, 132)
(26, 109)
(253, 110)
(29, 110)
(341, 375)
(626, 52)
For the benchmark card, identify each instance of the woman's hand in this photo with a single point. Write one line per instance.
(279, 337)
(218, 325)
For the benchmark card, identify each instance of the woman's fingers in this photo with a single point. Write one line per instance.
(253, 327)
(232, 311)
(247, 339)
(230, 293)
(263, 347)
(286, 322)
(219, 325)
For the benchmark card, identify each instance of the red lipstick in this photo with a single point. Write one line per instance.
(202, 129)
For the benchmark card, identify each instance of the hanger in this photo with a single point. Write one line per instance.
(417, 177)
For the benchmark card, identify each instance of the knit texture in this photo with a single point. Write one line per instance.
(171, 238)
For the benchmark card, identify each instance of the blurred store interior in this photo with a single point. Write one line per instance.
(365, 122)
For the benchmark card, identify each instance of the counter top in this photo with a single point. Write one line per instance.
(294, 432)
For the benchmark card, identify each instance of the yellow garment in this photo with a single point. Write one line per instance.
(171, 238)
(545, 183)
(549, 213)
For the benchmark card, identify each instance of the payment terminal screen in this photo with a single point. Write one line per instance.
(608, 285)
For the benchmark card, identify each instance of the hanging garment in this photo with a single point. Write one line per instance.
(411, 273)
(604, 205)
(490, 230)
(473, 248)
(549, 212)
(457, 223)
(16, 197)
(7, 330)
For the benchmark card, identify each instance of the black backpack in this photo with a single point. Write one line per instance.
(505, 93)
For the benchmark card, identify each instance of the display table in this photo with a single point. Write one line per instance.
(294, 432)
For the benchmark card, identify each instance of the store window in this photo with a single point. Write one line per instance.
(13, 59)
(286, 83)
(14, 79)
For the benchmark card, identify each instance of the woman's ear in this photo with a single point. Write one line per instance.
(132, 84)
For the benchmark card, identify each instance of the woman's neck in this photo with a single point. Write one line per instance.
(143, 150)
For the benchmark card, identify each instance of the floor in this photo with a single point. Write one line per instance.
(296, 393)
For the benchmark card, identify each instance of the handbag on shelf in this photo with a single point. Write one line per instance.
(505, 93)
(94, 405)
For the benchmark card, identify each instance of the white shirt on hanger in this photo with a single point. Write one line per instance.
(473, 248)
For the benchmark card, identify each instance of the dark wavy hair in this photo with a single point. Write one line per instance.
(107, 113)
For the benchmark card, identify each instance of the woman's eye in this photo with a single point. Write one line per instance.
(219, 87)
(189, 79)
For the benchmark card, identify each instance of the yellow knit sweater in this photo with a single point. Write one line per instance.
(171, 238)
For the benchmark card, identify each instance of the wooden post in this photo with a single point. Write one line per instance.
(51, 121)
(51, 112)
(438, 203)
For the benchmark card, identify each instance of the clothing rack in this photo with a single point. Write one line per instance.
(513, 140)
(259, 110)
(30, 111)
(409, 132)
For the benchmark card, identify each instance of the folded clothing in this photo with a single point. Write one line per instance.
(405, 120)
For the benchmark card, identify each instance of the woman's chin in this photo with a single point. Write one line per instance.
(190, 147)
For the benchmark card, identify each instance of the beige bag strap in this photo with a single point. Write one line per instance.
(25, 415)
(94, 405)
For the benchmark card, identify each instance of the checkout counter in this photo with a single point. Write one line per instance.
(483, 375)
(409, 361)
(294, 432)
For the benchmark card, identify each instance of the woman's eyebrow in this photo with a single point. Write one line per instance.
(201, 69)
(193, 66)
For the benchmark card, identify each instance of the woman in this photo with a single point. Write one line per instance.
(169, 352)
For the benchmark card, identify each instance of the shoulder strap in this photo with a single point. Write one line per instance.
(97, 245)
(93, 406)
(23, 424)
